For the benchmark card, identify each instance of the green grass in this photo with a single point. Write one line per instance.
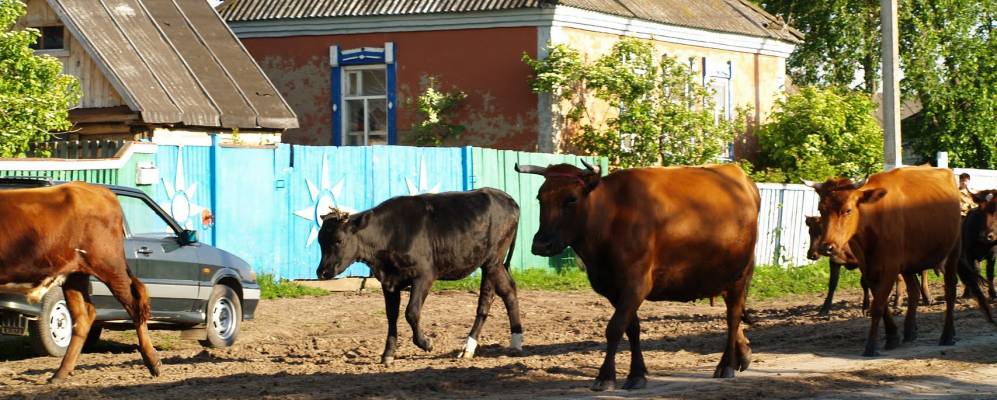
(535, 278)
(771, 281)
(272, 288)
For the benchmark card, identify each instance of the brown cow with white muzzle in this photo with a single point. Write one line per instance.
(63, 234)
(903, 221)
(678, 233)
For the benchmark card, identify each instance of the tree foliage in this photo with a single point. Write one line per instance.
(437, 108)
(948, 59)
(819, 133)
(662, 114)
(950, 64)
(35, 97)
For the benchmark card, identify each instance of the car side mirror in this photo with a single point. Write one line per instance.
(187, 236)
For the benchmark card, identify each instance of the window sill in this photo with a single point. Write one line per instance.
(53, 53)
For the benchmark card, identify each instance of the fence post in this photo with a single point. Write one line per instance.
(213, 179)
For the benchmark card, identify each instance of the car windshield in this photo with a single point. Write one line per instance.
(141, 219)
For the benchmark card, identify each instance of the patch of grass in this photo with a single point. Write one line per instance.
(273, 288)
(533, 278)
(772, 281)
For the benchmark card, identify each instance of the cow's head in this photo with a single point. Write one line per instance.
(562, 199)
(841, 205)
(339, 241)
(814, 228)
(987, 202)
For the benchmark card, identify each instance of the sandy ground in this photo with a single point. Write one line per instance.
(329, 347)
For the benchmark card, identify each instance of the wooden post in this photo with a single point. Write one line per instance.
(891, 85)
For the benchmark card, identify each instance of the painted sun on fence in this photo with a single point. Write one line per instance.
(180, 195)
(324, 197)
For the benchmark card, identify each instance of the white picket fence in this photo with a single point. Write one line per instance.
(783, 238)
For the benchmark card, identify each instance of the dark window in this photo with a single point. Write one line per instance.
(52, 38)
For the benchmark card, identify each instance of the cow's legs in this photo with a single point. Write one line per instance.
(832, 284)
(865, 295)
(951, 283)
(735, 357)
(910, 321)
(82, 310)
(506, 289)
(925, 292)
(990, 277)
(131, 293)
(392, 301)
(881, 289)
(637, 378)
(485, 297)
(901, 287)
(626, 306)
(420, 289)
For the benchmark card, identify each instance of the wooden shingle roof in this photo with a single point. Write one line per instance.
(176, 62)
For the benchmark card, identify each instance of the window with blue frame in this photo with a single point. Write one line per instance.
(363, 96)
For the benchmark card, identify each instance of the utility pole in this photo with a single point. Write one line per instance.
(891, 85)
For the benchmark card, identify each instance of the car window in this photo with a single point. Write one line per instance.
(140, 218)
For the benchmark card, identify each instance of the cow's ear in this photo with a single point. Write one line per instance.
(813, 221)
(591, 181)
(359, 221)
(871, 195)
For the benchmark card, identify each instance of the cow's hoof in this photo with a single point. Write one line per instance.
(602, 385)
(426, 345)
(947, 342)
(154, 369)
(892, 342)
(635, 383)
(724, 372)
(55, 380)
(871, 353)
(910, 337)
(387, 360)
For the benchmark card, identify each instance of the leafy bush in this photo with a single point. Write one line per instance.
(819, 133)
(663, 114)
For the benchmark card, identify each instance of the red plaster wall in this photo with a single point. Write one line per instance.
(500, 111)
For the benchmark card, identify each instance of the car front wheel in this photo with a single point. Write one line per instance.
(224, 317)
(51, 332)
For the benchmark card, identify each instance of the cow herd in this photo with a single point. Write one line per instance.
(658, 234)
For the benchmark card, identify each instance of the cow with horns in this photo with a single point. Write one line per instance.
(677, 233)
(411, 241)
(64, 234)
(903, 221)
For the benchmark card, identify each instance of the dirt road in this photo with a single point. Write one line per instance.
(328, 347)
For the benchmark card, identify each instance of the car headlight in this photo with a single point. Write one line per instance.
(252, 275)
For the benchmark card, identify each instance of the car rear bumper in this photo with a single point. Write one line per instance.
(19, 304)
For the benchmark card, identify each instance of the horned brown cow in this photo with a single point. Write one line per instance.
(677, 233)
(813, 253)
(903, 221)
(61, 235)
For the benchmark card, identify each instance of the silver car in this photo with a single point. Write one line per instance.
(201, 290)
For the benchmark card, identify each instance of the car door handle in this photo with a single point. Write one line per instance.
(144, 251)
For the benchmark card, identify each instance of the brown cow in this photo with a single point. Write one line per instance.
(903, 221)
(815, 230)
(61, 235)
(678, 233)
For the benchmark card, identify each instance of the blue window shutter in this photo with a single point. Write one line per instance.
(389, 58)
(337, 94)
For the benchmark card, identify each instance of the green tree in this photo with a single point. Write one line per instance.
(842, 39)
(819, 133)
(948, 58)
(664, 116)
(950, 63)
(35, 97)
(437, 109)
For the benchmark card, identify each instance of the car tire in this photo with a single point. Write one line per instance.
(51, 332)
(224, 317)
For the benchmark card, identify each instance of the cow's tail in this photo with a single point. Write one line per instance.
(140, 300)
(512, 247)
(970, 276)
